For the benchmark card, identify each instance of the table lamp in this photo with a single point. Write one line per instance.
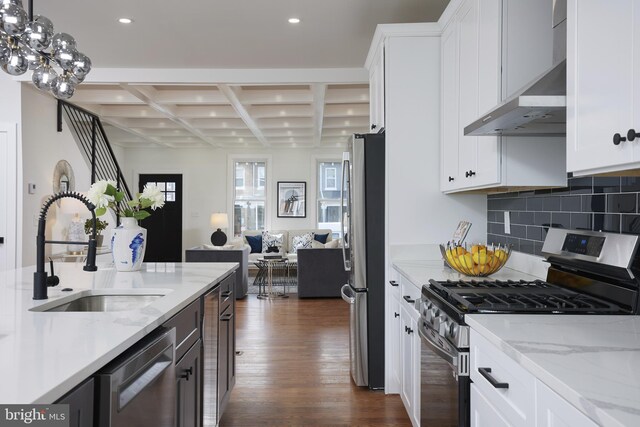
(218, 221)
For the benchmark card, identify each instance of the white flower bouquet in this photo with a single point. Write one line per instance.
(104, 194)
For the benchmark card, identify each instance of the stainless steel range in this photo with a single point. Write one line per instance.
(589, 273)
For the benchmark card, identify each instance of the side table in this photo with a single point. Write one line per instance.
(266, 267)
(241, 256)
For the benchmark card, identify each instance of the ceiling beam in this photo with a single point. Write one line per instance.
(319, 94)
(146, 94)
(116, 124)
(234, 100)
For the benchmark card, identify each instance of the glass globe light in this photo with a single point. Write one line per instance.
(5, 51)
(4, 3)
(65, 57)
(38, 33)
(34, 58)
(18, 63)
(81, 67)
(62, 40)
(43, 77)
(14, 20)
(62, 87)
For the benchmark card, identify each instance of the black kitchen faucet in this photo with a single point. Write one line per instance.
(41, 281)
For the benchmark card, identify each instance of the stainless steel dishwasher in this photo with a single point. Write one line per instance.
(138, 388)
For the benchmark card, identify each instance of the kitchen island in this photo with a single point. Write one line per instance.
(43, 355)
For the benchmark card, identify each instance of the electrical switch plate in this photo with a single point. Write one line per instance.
(507, 222)
(32, 188)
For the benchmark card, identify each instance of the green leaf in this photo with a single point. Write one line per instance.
(100, 211)
(110, 191)
(132, 203)
(119, 196)
(141, 215)
(145, 203)
(128, 213)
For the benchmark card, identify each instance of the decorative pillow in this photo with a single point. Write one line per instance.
(322, 238)
(255, 242)
(317, 245)
(333, 244)
(302, 241)
(269, 239)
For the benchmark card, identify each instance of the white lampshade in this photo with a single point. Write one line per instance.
(219, 220)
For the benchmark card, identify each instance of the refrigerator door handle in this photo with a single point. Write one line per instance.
(345, 183)
(343, 292)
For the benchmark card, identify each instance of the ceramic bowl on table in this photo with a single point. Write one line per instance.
(477, 260)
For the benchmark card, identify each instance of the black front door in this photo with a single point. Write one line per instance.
(164, 226)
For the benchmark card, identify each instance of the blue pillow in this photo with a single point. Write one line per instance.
(255, 242)
(322, 238)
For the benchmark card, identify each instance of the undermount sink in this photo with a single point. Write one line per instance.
(100, 303)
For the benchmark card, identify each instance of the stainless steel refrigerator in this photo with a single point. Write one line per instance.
(363, 231)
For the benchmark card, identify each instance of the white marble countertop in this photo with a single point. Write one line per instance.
(591, 361)
(44, 355)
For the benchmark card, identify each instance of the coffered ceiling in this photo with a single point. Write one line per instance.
(228, 116)
(203, 36)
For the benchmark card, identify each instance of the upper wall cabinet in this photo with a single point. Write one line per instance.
(603, 87)
(376, 90)
(477, 69)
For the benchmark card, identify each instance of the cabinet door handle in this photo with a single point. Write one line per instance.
(393, 283)
(396, 314)
(373, 127)
(225, 294)
(631, 135)
(469, 173)
(617, 139)
(451, 178)
(486, 372)
(409, 331)
(408, 299)
(226, 317)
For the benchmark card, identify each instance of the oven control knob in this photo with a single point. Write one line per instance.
(443, 326)
(432, 314)
(453, 329)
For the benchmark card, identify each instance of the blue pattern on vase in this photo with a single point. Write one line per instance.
(136, 247)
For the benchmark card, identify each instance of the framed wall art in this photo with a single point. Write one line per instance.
(292, 199)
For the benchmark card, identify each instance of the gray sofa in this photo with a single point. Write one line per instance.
(321, 273)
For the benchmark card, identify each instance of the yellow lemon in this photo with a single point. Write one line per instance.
(501, 255)
(480, 257)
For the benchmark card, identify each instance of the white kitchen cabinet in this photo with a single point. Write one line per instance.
(554, 411)
(376, 91)
(410, 365)
(483, 414)
(475, 72)
(509, 395)
(394, 336)
(602, 85)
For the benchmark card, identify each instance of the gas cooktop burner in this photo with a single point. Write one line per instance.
(491, 296)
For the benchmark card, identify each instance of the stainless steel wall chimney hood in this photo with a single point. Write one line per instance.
(540, 108)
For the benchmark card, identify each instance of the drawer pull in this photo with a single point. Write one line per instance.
(226, 294)
(393, 283)
(395, 314)
(486, 372)
(408, 299)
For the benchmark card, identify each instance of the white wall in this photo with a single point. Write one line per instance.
(207, 182)
(42, 148)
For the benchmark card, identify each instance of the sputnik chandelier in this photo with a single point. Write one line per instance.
(27, 42)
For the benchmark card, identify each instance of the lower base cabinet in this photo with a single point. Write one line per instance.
(80, 401)
(554, 411)
(189, 387)
(483, 414)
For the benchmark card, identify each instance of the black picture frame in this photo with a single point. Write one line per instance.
(292, 199)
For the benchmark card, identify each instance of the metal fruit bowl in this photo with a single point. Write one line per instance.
(476, 260)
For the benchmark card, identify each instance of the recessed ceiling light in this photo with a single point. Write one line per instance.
(125, 20)
(294, 20)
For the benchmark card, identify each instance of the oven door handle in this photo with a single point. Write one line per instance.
(449, 357)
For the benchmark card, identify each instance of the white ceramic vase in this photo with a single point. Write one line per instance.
(128, 243)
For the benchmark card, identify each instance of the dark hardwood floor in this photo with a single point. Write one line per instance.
(294, 369)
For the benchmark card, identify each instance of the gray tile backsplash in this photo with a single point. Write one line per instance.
(588, 203)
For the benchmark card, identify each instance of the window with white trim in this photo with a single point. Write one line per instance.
(329, 184)
(249, 196)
